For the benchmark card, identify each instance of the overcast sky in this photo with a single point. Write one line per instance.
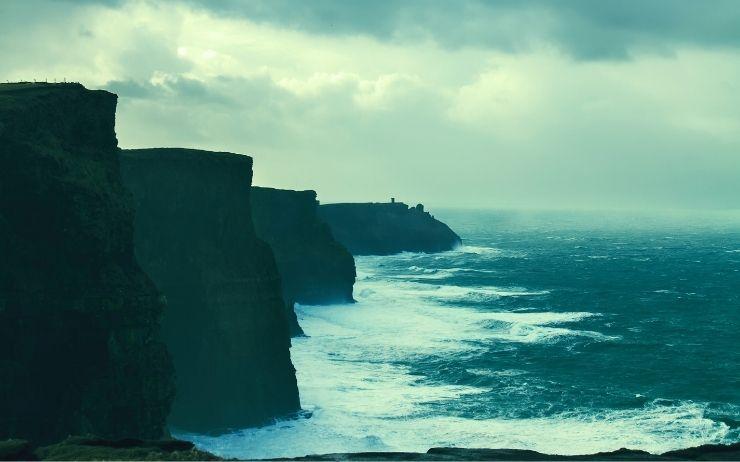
(567, 104)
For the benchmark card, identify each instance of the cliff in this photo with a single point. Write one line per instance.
(225, 323)
(387, 228)
(80, 348)
(315, 268)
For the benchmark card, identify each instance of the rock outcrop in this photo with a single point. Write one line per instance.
(92, 448)
(315, 269)
(225, 323)
(80, 348)
(387, 228)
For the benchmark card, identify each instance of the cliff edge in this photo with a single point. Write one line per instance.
(315, 268)
(225, 323)
(387, 228)
(80, 349)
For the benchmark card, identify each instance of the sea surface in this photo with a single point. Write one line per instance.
(559, 332)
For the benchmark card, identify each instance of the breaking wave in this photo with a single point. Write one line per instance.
(492, 346)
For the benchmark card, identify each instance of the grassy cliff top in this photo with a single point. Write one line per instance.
(34, 86)
(11, 91)
(277, 192)
(58, 115)
(369, 205)
(184, 155)
(21, 97)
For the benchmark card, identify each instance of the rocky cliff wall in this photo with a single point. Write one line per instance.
(225, 323)
(80, 348)
(387, 228)
(315, 268)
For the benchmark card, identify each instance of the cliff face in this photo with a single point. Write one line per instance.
(225, 323)
(314, 267)
(79, 320)
(384, 229)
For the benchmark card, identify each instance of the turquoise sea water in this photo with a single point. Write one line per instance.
(559, 332)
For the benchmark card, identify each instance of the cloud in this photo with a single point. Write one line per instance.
(380, 106)
(130, 89)
(585, 29)
(163, 86)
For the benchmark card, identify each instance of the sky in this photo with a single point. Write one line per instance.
(470, 103)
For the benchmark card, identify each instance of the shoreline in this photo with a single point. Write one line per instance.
(91, 448)
(703, 452)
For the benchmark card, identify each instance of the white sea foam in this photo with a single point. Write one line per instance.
(524, 332)
(335, 429)
(499, 373)
(392, 287)
(448, 292)
(354, 378)
(418, 273)
(479, 250)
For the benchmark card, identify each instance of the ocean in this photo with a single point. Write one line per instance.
(559, 332)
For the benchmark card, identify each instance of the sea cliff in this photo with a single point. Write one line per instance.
(387, 228)
(225, 322)
(315, 268)
(80, 348)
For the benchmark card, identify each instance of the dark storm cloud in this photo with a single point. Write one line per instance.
(89, 2)
(586, 29)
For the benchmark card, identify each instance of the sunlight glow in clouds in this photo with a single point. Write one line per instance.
(518, 117)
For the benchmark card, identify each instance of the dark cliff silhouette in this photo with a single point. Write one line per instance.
(387, 228)
(80, 348)
(315, 268)
(225, 322)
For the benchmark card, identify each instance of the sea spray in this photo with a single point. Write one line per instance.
(520, 340)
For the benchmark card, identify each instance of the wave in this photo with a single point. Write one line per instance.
(415, 272)
(655, 427)
(424, 360)
(396, 319)
(368, 333)
(449, 292)
(479, 250)
(535, 327)
(496, 373)
(395, 287)
(463, 250)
